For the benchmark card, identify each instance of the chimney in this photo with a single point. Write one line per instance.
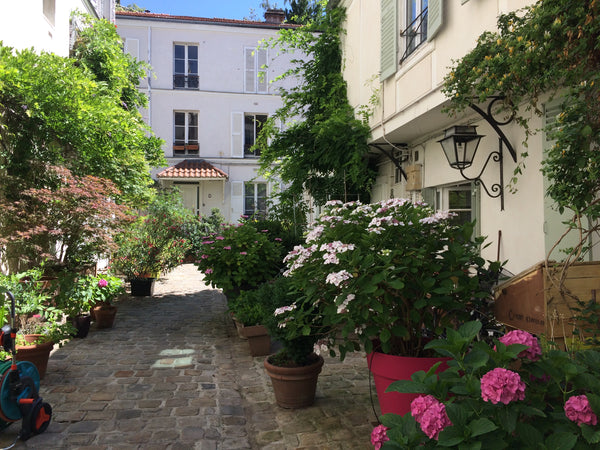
(274, 16)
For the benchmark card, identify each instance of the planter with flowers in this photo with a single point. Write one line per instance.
(386, 277)
(105, 289)
(239, 258)
(508, 395)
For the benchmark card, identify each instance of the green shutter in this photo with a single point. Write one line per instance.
(389, 45)
(435, 18)
(428, 195)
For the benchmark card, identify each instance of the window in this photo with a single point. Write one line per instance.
(416, 30)
(253, 123)
(255, 199)
(460, 199)
(49, 10)
(185, 72)
(255, 74)
(186, 133)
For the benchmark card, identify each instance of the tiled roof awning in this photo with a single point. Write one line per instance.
(192, 170)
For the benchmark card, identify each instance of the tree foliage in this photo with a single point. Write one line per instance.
(548, 50)
(323, 147)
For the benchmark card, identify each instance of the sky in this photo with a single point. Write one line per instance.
(222, 9)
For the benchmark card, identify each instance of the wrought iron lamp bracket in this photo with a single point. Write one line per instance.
(496, 124)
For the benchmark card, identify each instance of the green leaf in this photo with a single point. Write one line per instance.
(481, 426)
(561, 440)
(590, 434)
(470, 329)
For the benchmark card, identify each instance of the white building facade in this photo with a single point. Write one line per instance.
(46, 24)
(404, 64)
(211, 88)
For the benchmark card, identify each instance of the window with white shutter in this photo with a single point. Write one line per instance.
(237, 135)
(255, 73)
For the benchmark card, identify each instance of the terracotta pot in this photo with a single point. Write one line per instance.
(142, 287)
(389, 368)
(294, 387)
(258, 339)
(37, 354)
(105, 316)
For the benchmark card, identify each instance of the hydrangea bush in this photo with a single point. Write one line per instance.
(394, 271)
(240, 257)
(511, 395)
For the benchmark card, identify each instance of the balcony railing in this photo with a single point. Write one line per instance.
(181, 81)
(415, 34)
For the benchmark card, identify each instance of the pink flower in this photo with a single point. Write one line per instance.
(204, 257)
(502, 385)
(243, 253)
(534, 351)
(278, 239)
(227, 247)
(577, 409)
(379, 436)
(208, 242)
(102, 283)
(430, 414)
(220, 238)
(208, 271)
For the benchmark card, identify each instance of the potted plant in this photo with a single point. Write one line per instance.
(103, 290)
(386, 278)
(510, 394)
(153, 244)
(239, 258)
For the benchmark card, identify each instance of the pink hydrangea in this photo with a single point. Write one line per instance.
(532, 353)
(102, 283)
(379, 436)
(430, 414)
(208, 271)
(577, 409)
(502, 385)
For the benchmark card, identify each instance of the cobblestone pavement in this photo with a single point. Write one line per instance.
(173, 374)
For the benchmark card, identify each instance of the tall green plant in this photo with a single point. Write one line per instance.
(323, 147)
(548, 50)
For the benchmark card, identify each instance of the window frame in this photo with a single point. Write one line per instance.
(188, 79)
(415, 32)
(257, 199)
(186, 146)
(254, 59)
(258, 124)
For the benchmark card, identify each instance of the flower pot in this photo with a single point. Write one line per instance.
(294, 387)
(142, 287)
(37, 354)
(105, 316)
(82, 325)
(389, 368)
(258, 339)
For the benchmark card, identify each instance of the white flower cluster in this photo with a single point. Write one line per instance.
(343, 307)
(298, 256)
(332, 249)
(336, 278)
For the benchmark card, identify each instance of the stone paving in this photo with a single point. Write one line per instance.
(173, 374)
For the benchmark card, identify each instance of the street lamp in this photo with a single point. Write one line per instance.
(460, 144)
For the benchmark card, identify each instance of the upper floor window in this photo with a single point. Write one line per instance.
(185, 70)
(186, 133)
(255, 199)
(416, 30)
(255, 73)
(253, 123)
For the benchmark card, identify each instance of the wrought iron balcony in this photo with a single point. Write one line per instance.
(415, 34)
(181, 81)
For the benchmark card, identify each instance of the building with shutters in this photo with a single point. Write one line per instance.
(211, 89)
(417, 41)
(46, 24)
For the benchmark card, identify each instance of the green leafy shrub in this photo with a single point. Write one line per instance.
(239, 258)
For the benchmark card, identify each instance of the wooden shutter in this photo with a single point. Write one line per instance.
(237, 200)
(261, 64)
(237, 135)
(389, 42)
(435, 18)
(250, 71)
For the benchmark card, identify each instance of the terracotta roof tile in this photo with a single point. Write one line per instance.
(214, 20)
(193, 169)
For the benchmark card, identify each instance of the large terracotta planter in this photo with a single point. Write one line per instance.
(294, 387)
(389, 368)
(142, 287)
(82, 325)
(258, 339)
(37, 354)
(105, 316)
